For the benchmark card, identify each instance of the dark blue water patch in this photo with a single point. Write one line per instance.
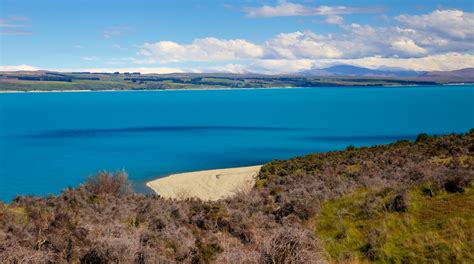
(106, 132)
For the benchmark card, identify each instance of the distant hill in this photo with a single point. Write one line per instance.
(464, 73)
(349, 70)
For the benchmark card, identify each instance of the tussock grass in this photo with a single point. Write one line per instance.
(434, 229)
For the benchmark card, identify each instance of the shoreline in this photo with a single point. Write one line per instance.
(150, 90)
(229, 88)
(208, 185)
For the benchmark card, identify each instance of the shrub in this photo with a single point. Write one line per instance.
(209, 216)
(116, 184)
(399, 203)
(373, 248)
(290, 245)
(372, 206)
(430, 189)
(350, 148)
(284, 211)
(471, 148)
(456, 184)
(423, 137)
(93, 257)
(206, 252)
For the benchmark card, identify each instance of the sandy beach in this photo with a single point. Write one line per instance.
(206, 185)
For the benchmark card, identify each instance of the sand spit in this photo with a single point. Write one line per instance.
(207, 185)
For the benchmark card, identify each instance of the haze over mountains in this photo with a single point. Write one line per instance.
(336, 70)
(350, 70)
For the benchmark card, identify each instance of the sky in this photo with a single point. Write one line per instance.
(269, 37)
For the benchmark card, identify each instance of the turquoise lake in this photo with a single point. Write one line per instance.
(49, 141)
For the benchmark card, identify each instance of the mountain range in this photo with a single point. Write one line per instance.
(349, 70)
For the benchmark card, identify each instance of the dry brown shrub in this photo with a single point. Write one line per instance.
(106, 183)
(291, 245)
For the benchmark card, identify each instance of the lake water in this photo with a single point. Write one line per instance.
(49, 141)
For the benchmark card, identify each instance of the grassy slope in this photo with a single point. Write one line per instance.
(438, 229)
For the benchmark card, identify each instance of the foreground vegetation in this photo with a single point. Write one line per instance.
(52, 81)
(412, 227)
(407, 202)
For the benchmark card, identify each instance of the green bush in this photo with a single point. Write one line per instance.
(423, 137)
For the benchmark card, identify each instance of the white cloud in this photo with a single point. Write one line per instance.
(292, 9)
(301, 45)
(206, 49)
(143, 70)
(439, 40)
(280, 66)
(407, 46)
(440, 62)
(404, 40)
(352, 42)
(334, 19)
(19, 68)
(228, 68)
(446, 23)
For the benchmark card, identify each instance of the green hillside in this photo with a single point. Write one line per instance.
(55, 81)
(386, 227)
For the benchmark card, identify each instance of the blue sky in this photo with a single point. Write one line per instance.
(235, 36)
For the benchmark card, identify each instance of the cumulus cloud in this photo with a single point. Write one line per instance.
(266, 66)
(205, 49)
(441, 62)
(292, 9)
(301, 45)
(398, 41)
(353, 41)
(438, 40)
(281, 66)
(446, 23)
(407, 46)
